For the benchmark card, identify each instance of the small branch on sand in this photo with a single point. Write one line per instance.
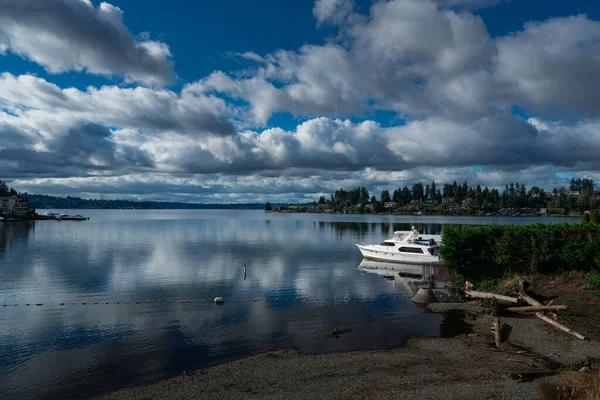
(536, 308)
(529, 363)
(532, 374)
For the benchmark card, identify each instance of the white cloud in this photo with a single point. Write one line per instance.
(432, 64)
(333, 11)
(72, 35)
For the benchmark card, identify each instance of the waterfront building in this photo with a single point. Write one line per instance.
(14, 205)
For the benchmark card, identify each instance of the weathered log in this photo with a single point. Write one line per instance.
(531, 301)
(486, 295)
(536, 308)
(559, 326)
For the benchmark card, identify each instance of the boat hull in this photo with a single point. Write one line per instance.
(396, 257)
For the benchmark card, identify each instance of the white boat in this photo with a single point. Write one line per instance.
(407, 247)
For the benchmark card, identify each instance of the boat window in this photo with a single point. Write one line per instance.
(387, 244)
(410, 250)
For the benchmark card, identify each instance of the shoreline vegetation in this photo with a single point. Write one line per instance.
(459, 199)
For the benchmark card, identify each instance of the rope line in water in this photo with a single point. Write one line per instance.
(221, 301)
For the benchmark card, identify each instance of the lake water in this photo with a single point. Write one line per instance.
(77, 350)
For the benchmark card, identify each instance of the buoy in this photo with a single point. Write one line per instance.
(170, 301)
(116, 302)
(234, 301)
(39, 304)
(255, 300)
(84, 303)
(219, 300)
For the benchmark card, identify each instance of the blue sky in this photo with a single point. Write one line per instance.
(239, 101)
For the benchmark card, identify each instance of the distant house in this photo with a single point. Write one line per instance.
(447, 200)
(14, 205)
(560, 211)
(543, 211)
(390, 205)
(573, 193)
(324, 207)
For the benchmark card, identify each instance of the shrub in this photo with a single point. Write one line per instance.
(489, 252)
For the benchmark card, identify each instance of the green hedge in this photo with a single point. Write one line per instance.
(478, 253)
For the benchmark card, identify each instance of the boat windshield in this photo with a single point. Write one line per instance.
(399, 236)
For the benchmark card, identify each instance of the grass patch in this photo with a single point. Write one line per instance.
(594, 279)
(571, 387)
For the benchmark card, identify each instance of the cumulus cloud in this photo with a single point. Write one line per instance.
(333, 11)
(552, 63)
(433, 63)
(73, 35)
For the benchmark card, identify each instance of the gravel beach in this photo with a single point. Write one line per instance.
(462, 366)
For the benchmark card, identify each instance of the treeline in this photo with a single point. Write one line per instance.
(70, 203)
(493, 252)
(579, 196)
(5, 190)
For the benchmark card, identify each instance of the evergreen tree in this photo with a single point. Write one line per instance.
(3, 188)
(385, 196)
(268, 206)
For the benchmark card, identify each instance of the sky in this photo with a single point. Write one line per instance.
(283, 101)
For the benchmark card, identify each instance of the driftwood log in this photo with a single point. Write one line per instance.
(486, 295)
(497, 332)
(533, 302)
(536, 308)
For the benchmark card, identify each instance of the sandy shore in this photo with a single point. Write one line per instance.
(459, 367)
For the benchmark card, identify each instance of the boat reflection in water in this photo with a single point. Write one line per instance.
(409, 278)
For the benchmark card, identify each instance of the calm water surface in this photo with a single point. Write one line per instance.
(80, 350)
